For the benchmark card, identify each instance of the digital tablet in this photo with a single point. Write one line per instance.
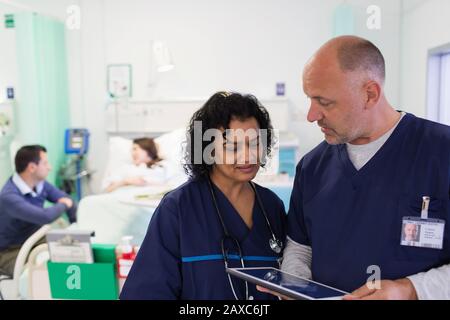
(287, 284)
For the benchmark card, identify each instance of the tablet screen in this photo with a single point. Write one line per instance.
(302, 286)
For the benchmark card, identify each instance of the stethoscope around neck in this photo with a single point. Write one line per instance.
(275, 244)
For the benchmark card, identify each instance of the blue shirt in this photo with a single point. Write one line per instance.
(22, 210)
(353, 219)
(181, 256)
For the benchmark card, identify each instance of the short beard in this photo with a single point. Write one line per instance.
(335, 141)
(349, 137)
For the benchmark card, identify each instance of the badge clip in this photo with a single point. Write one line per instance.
(425, 207)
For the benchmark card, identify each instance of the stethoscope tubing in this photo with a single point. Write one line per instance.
(278, 246)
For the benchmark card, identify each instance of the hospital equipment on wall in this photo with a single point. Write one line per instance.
(288, 154)
(155, 117)
(131, 118)
(6, 119)
(275, 244)
(126, 117)
(76, 141)
(7, 131)
(76, 146)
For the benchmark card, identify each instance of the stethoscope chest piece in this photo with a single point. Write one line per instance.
(275, 245)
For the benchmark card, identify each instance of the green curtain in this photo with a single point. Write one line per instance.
(344, 20)
(43, 113)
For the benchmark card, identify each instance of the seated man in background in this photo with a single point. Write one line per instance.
(22, 200)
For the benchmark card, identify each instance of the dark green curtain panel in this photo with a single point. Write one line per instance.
(43, 99)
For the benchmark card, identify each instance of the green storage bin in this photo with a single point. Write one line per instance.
(86, 281)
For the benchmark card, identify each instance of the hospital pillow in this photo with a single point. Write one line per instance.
(170, 148)
(170, 145)
(119, 152)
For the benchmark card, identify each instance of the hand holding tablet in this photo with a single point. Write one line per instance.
(287, 284)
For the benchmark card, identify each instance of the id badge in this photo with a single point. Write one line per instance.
(424, 233)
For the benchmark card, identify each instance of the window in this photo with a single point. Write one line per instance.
(438, 93)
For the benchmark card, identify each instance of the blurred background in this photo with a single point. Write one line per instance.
(141, 67)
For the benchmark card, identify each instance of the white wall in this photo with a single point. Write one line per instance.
(244, 46)
(425, 26)
(8, 60)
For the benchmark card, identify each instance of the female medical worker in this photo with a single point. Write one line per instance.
(219, 217)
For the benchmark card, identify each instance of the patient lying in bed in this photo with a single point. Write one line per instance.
(146, 169)
(128, 206)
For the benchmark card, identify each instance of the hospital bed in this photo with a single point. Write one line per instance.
(128, 210)
(114, 215)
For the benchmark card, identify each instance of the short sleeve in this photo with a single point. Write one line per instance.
(297, 229)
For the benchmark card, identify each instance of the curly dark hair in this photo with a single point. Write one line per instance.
(218, 112)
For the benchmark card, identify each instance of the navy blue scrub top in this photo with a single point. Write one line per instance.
(181, 256)
(352, 219)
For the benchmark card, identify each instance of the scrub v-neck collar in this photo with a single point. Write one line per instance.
(377, 159)
(236, 226)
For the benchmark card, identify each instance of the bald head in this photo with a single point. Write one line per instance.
(344, 81)
(354, 54)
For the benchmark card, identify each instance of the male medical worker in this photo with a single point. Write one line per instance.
(22, 200)
(378, 170)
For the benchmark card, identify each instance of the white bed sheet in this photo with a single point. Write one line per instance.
(114, 215)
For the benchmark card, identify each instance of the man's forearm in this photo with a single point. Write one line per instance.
(297, 259)
(432, 285)
(72, 213)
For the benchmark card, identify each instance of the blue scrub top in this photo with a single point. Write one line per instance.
(352, 219)
(181, 256)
